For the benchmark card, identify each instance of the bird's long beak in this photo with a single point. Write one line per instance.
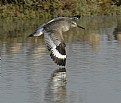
(80, 26)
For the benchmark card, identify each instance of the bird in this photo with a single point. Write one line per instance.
(53, 36)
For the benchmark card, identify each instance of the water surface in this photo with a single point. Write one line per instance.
(92, 73)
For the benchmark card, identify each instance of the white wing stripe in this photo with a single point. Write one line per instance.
(57, 54)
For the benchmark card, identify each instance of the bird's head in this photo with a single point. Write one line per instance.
(74, 24)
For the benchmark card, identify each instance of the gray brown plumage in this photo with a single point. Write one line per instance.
(53, 36)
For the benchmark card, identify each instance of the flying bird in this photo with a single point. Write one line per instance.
(53, 36)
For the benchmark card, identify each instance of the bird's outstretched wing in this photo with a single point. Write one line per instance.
(56, 46)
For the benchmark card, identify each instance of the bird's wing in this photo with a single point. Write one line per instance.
(56, 46)
(39, 31)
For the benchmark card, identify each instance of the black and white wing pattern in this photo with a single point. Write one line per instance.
(56, 46)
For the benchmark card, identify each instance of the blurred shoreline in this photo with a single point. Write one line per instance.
(22, 9)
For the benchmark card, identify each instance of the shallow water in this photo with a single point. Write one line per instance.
(92, 73)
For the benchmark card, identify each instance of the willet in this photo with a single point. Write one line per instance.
(53, 36)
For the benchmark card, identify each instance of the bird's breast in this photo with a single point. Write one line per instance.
(65, 28)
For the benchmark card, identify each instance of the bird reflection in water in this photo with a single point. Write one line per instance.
(117, 33)
(56, 89)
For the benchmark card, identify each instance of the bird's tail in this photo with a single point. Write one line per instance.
(39, 31)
